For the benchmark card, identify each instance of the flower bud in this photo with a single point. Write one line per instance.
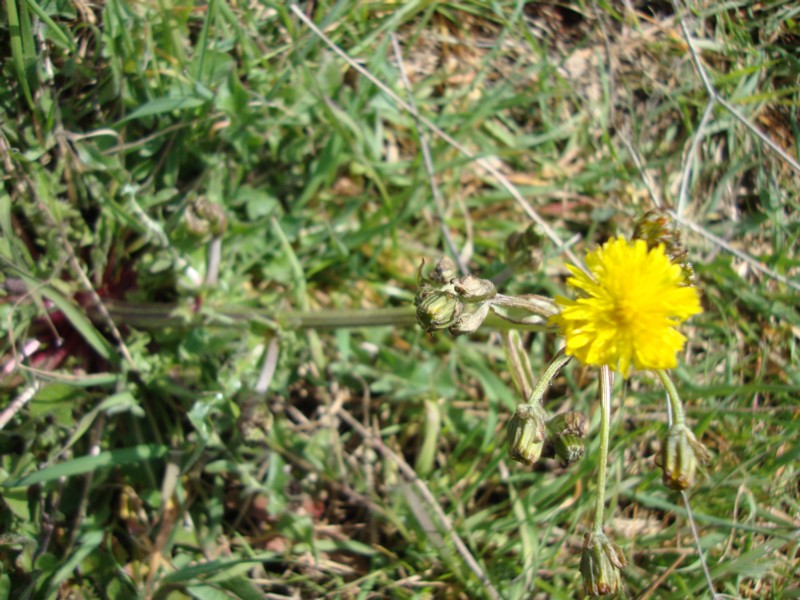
(444, 271)
(569, 448)
(524, 250)
(472, 289)
(569, 423)
(470, 320)
(436, 309)
(526, 433)
(203, 217)
(658, 227)
(680, 453)
(601, 562)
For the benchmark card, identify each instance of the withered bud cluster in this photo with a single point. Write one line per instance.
(524, 249)
(204, 218)
(445, 301)
(532, 435)
(681, 453)
(601, 563)
(658, 227)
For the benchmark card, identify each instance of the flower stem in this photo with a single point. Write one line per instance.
(553, 369)
(185, 316)
(678, 416)
(605, 428)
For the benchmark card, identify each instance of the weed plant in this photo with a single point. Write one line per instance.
(213, 384)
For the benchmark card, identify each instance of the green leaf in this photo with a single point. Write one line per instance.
(161, 106)
(87, 464)
(55, 31)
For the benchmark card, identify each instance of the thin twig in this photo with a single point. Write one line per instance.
(712, 92)
(427, 495)
(691, 155)
(714, 97)
(688, 505)
(759, 133)
(18, 403)
(438, 201)
(637, 160)
(759, 266)
(214, 258)
(481, 162)
(268, 367)
(696, 536)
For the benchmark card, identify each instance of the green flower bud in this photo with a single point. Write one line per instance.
(524, 250)
(203, 217)
(214, 214)
(436, 309)
(569, 423)
(569, 448)
(601, 562)
(526, 433)
(472, 289)
(470, 320)
(680, 453)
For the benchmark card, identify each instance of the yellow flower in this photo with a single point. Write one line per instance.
(629, 308)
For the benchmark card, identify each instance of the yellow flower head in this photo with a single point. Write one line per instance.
(629, 308)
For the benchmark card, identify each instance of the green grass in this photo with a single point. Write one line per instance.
(148, 459)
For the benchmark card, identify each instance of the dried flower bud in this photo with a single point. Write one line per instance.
(444, 271)
(601, 562)
(526, 433)
(470, 320)
(569, 448)
(524, 250)
(680, 453)
(436, 309)
(569, 423)
(472, 289)
(657, 227)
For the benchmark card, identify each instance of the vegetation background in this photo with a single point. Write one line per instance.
(213, 171)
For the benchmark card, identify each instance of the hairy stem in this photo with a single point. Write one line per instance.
(553, 369)
(605, 428)
(678, 416)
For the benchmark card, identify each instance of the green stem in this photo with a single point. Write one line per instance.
(553, 369)
(518, 364)
(678, 416)
(605, 428)
(157, 315)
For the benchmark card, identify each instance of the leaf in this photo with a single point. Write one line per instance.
(161, 106)
(17, 49)
(55, 31)
(87, 464)
(215, 567)
(82, 324)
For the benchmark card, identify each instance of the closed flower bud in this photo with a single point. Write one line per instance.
(526, 433)
(569, 423)
(569, 448)
(472, 289)
(470, 319)
(524, 250)
(679, 456)
(436, 309)
(204, 217)
(601, 562)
